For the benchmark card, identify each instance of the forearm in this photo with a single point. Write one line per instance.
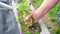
(43, 9)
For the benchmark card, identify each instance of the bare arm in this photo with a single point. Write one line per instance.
(43, 9)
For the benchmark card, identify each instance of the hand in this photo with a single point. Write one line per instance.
(29, 17)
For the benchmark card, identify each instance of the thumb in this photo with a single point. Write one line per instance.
(28, 17)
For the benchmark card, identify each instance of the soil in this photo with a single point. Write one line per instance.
(35, 28)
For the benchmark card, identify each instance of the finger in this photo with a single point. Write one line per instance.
(35, 21)
(28, 24)
(28, 17)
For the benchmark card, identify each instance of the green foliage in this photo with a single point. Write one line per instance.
(49, 26)
(57, 30)
(23, 8)
(23, 5)
(37, 32)
(27, 32)
(39, 3)
(22, 14)
(34, 0)
(53, 19)
(53, 13)
(20, 18)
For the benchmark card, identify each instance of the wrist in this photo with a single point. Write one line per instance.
(36, 16)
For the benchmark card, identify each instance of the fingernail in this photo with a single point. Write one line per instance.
(26, 18)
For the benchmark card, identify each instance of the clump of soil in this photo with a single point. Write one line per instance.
(35, 28)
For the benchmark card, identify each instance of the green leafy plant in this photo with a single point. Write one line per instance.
(27, 32)
(34, 0)
(23, 9)
(57, 30)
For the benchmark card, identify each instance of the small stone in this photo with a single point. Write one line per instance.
(32, 28)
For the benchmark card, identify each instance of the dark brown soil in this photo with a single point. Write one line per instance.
(35, 28)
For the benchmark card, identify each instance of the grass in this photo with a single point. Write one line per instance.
(53, 13)
(57, 30)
